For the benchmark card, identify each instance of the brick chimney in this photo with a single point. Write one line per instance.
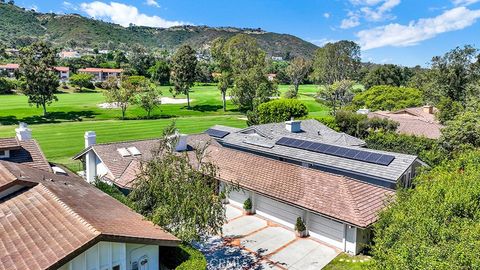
(428, 109)
(23, 132)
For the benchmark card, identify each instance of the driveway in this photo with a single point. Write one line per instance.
(257, 243)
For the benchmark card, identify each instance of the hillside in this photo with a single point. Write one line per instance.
(18, 26)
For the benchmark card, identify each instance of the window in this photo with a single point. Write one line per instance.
(4, 153)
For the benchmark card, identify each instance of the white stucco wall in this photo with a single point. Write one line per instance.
(106, 255)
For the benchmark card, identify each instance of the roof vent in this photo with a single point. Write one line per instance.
(134, 151)
(293, 126)
(123, 152)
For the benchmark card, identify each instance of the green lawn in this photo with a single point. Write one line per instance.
(75, 113)
(347, 262)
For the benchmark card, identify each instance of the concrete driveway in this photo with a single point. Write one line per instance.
(275, 246)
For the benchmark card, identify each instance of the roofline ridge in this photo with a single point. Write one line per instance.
(70, 210)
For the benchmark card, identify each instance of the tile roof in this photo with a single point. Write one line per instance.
(261, 139)
(26, 152)
(413, 121)
(332, 195)
(10, 66)
(46, 224)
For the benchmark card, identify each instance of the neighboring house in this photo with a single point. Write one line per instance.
(69, 54)
(11, 69)
(288, 170)
(50, 221)
(102, 74)
(419, 121)
(23, 149)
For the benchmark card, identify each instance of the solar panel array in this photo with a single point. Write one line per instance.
(337, 151)
(217, 133)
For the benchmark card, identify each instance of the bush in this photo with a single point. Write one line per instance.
(384, 97)
(81, 81)
(280, 110)
(98, 84)
(300, 225)
(247, 204)
(183, 257)
(6, 86)
(359, 125)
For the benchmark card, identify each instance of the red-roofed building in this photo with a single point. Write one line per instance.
(102, 74)
(10, 69)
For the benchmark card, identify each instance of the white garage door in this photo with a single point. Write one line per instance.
(277, 211)
(238, 197)
(326, 230)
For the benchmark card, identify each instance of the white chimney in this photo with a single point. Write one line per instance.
(90, 157)
(428, 109)
(293, 126)
(182, 143)
(90, 138)
(23, 132)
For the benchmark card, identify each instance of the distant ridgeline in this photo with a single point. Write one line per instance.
(19, 26)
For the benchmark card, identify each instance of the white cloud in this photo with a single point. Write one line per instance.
(125, 15)
(399, 35)
(326, 15)
(321, 42)
(152, 3)
(464, 2)
(381, 12)
(353, 20)
(69, 6)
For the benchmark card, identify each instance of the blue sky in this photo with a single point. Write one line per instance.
(403, 32)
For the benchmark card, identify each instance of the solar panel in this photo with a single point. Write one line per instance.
(337, 151)
(217, 133)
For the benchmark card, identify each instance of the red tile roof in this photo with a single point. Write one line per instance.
(10, 66)
(62, 69)
(110, 70)
(46, 224)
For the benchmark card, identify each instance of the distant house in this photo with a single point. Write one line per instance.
(271, 76)
(11, 69)
(69, 54)
(51, 221)
(419, 121)
(101, 74)
(289, 170)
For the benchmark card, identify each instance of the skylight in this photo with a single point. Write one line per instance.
(124, 152)
(134, 151)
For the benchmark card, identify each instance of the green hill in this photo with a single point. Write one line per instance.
(19, 26)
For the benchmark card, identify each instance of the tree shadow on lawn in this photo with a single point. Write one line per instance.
(51, 117)
(204, 108)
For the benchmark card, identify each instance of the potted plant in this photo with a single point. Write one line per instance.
(300, 228)
(223, 197)
(247, 207)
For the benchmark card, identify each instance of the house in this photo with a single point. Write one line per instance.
(11, 69)
(102, 74)
(23, 149)
(52, 221)
(288, 170)
(418, 121)
(69, 54)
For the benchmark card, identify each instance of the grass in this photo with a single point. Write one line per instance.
(61, 135)
(345, 262)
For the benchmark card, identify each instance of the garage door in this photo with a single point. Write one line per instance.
(326, 230)
(238, 197)
(277, 211)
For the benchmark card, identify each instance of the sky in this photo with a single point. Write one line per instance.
(404, 32)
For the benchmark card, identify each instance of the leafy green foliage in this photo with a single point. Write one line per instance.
(336, 96)
(140, 60)
(336, 62)
(359, 125)
(113, 191)
(184, 63)
(463, 132)
(300, 225)
(247, 204)
(280, 110)
(148, 98)
(37, 71)
(297, 70)
(6, 86)
(386, 75)
(81, 81)
(448, 109)
(388, 98)
(437, 224)
(121, 93)
(183, 257)
(178, 192)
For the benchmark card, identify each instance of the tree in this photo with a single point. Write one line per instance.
(140, 60)
(437, 224)
(359, 125)
(336, 62)
(184, 62)
(37, 64)
(296, 71)
(223, 64)
(462, 132)
(121, 93)
(6, 86)
(179, 191)
(448, 109)
(386, 75)
(388, 98)
(148, 98)
(337, 95)
(81, 81)
(247, 61)
(160, 73)
(280, 110)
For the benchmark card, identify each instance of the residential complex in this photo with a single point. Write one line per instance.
(102, 74)
(10, 70)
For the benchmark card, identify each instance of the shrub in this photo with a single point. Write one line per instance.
(384, 97)
(183, 257)
(359, 125)
(222, 195)
(6, 86)
(300, 225)
(98, 84)
(247, 204)
(81, 81)
(280, 110)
